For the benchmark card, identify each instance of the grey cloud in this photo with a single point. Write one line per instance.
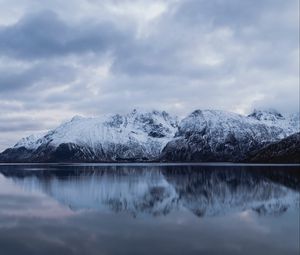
(45, 35)
(230, 55)
(261, 37)
(234, 13)
(15, 79)
(9, 124)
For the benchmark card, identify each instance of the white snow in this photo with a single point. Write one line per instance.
(30, 142)
(222, 123)
(134, 130)
(109, 130)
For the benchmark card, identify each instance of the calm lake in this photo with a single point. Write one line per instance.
(149, 209)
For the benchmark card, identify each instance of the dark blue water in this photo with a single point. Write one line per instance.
(149, 209)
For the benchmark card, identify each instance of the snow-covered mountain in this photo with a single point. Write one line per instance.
(210, 135)
(206, 135)
(137, 135)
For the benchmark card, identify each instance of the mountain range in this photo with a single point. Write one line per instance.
(202, 136)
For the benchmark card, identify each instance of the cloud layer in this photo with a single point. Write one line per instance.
(88, 57)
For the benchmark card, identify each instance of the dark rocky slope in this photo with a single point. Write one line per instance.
(285, 151)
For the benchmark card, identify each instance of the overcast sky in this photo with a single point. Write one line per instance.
(88, 57)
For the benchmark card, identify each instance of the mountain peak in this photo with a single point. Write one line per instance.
(145, 134)
(268, 115)
(77, 118)
(29, 142)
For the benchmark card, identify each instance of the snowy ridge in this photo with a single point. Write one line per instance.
(288, 122)
(109, 128)
(204, 135)
(134, 135)
(31, 142)
(228, 122)
(212, 135)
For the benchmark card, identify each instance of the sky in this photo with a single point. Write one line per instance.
(90, 57)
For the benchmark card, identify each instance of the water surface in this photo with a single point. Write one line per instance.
(149, 209)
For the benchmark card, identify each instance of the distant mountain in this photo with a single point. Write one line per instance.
(211, 135)
(204, 135)
(286, 150)
(134, 136)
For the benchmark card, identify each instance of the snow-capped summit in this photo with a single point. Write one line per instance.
(29, 142)
(271, 117)
(204, 135)
(135, 135)
(212, 135)
(266, 115)
(77, 118)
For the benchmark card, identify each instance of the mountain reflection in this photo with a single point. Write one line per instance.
(160, 190)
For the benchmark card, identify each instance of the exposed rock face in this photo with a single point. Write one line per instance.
(221, 136)
(205, 135)
(285, 151)
(18, 154)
